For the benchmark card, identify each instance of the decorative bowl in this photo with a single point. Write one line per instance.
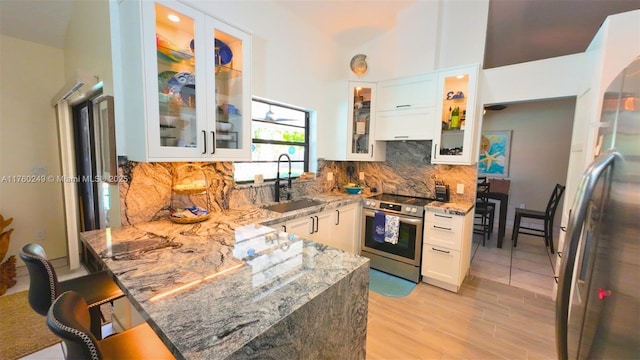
(354, 189)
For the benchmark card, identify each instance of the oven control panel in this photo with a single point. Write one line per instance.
(395, 208)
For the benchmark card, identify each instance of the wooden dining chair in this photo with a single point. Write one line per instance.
(69, 319)
(546, 216)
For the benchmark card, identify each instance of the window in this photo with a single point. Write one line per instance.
(276, 129)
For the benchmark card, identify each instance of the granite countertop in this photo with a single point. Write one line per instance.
(329, 201)
(455, 208)
(209, 288)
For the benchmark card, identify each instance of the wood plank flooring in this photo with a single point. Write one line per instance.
(485, 320)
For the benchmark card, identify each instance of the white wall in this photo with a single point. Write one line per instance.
(31, 73)
(540, 142)
(543, 79)
(463, 27)
(87, 44)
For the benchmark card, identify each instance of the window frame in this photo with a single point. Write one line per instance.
(305, 144)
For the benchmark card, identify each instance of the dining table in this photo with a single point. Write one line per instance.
(503, 198)
(228, 288)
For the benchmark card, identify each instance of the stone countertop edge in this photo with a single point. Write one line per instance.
(454, 208)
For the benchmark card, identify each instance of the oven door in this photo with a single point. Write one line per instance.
(408, 248)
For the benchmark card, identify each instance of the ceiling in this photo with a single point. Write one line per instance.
(517, 31)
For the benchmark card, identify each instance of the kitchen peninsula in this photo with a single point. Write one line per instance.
(225, 289)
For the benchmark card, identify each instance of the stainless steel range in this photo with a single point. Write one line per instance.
(403, 258)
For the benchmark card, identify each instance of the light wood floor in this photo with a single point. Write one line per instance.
(485, 320)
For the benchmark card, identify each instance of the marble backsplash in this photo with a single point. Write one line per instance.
(147, 195)
(406, 171)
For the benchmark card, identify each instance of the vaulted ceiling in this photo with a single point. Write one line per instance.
(517, 31)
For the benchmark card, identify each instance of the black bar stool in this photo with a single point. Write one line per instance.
(69, 319)
(97, 288)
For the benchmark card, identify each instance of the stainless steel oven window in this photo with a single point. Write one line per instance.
(408, 248)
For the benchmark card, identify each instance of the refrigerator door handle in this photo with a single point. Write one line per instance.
(574, 231)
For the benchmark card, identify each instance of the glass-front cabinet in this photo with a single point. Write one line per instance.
(455, 124)
(186, 90)
(361, 124)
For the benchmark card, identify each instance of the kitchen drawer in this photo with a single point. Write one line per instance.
(443, 230)
(441, 263)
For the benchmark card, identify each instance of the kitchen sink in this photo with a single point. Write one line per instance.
(292, 205)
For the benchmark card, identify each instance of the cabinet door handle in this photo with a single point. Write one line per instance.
(313, 225)
(402, 106)
(337, 217)
(438, 250)
(441, 228)
(284, 228)
(435, 150)
(317, 224)
(443, 216)
(401, 137)
(213, 144)
(371, 150)
(204, 137)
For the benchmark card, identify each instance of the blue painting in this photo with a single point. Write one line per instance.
(494, 153)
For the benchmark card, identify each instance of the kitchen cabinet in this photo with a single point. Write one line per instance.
(361, 144)
(457, 125)
(406, 108)
(446, 250)
(345, 231)
(186, 84)
(337, 227)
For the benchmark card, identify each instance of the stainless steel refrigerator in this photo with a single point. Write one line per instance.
(598, 302)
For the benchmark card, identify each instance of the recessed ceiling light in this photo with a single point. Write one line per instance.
(174, 18)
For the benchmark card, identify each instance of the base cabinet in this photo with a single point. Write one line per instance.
(345, 231)
(446, 250)
(336, 228)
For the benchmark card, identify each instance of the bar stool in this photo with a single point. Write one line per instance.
(69, 319)
(98, 288)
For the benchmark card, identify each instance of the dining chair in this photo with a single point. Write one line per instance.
(69, 319)
(97, 288)
(546, 216)
(488, 206)
(482, 214)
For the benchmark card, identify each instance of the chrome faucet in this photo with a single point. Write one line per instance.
(277, 183)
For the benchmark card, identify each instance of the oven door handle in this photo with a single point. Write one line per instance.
(404, 219)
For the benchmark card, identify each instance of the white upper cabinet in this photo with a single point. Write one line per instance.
(457, 113)
(406, 108)
(186, 84)
(361, 144)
